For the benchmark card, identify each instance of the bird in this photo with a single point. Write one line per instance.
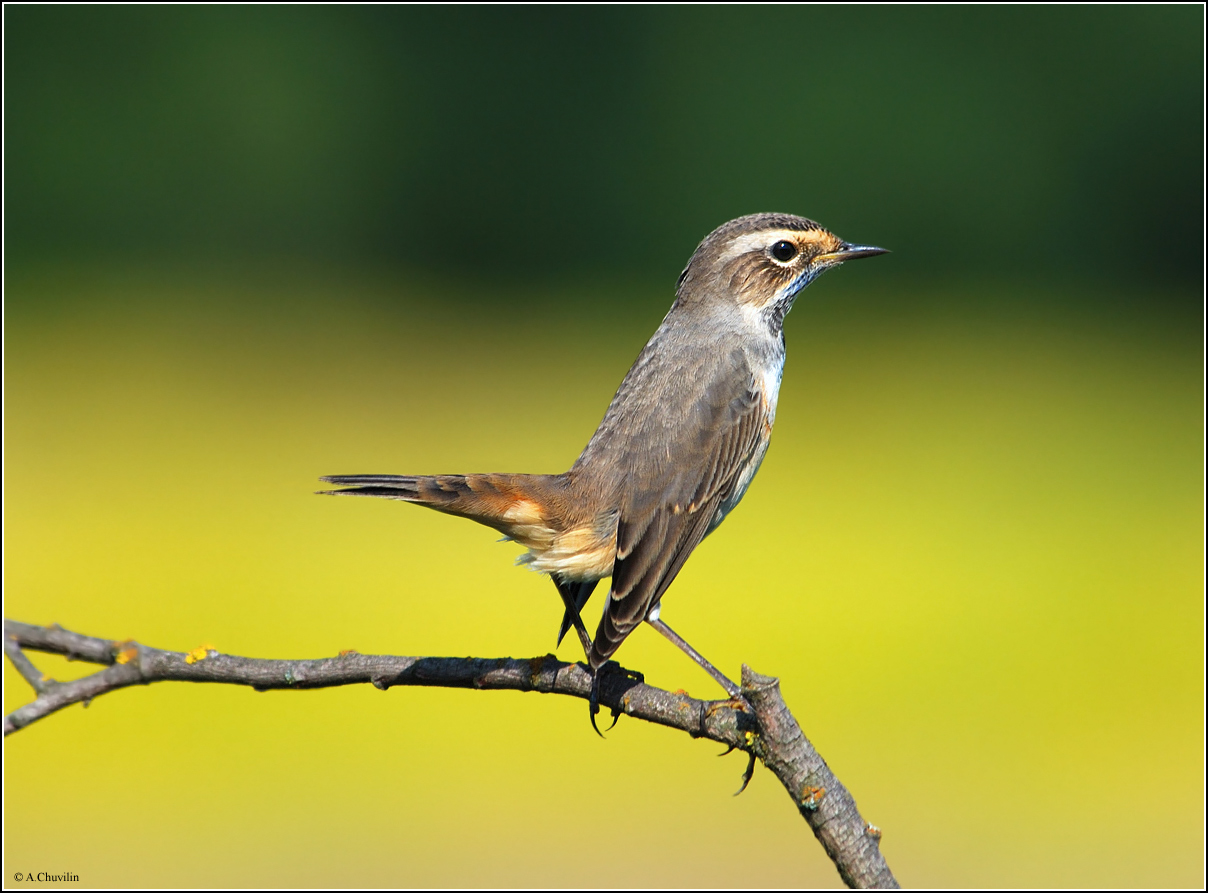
(676, 450)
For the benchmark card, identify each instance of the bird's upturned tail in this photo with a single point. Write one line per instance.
(527, 508)
(517, 505)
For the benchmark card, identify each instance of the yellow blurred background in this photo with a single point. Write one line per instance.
(248, 246)
(973, 556)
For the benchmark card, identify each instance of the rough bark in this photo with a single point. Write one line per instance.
(760, 725)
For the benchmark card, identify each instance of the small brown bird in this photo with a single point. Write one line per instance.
(677, 448)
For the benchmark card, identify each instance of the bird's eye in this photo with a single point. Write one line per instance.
(784, 251)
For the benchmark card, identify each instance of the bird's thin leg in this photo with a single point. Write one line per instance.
(731, 689)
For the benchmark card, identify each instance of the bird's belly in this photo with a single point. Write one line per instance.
(581, 553)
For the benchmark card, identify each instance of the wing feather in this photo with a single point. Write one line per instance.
(661, 525)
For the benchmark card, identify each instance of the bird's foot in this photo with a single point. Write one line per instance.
(593, 704)
(747, 773)
(593, 700)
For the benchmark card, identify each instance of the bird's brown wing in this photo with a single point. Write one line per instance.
(667, 518)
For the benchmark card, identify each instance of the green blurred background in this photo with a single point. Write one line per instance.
(249, 246)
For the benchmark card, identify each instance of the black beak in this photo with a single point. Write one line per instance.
(849, 251)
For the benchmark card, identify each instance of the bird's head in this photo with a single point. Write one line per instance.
(761, 262)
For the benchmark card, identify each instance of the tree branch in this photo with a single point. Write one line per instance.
(768, 732)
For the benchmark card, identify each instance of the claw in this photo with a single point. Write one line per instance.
(594, 699)
(593, 702)
(596, 709)
(746, 775)
(616, 715)
(729, 750)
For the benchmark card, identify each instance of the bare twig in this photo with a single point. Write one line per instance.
(770, 732)
(827, 805)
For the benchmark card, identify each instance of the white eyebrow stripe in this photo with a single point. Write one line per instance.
(762, 239)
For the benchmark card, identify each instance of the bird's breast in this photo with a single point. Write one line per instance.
(768, 375)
